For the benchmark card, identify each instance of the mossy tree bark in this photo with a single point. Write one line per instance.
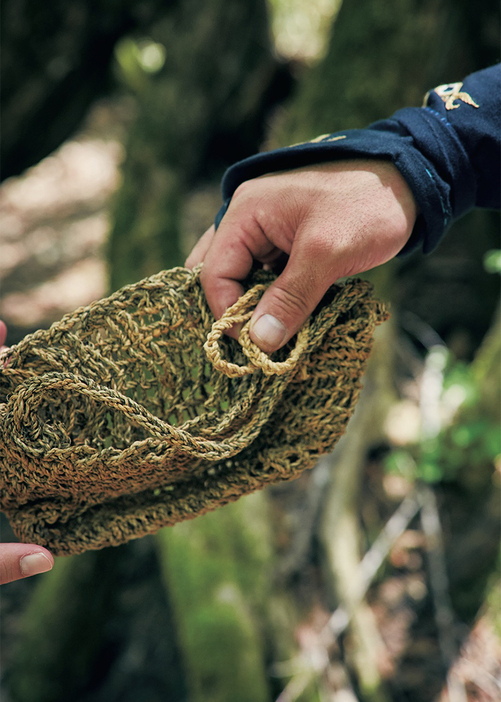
(202, 111)
(98, 628)
(472, 501)
(385, 55)
(217, 571)
(55, 62)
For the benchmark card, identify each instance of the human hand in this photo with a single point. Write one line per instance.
(3, 335)
(21, 560)
(330, 221)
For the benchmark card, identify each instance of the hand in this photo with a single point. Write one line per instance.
(21, 560)
(3, 335)
(330, 220)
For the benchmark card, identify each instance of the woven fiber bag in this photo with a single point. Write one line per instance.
(137, 412)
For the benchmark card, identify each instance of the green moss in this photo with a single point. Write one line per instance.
(60, 631)
(493, 601)
(215, 568)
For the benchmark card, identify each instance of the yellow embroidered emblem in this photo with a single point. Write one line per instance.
(326, 137)
(322, 137)
(452, 92)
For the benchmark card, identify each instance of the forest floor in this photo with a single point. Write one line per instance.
(54, 222)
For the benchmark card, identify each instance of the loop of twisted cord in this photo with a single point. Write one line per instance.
(239, 313)
(32, 393)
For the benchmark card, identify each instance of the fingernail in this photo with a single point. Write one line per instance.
(35, 563)
(269, 331)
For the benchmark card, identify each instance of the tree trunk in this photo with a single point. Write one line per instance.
(385, 55)
(202, 111)
(55, 61)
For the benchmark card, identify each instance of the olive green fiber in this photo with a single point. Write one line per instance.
(138, 412)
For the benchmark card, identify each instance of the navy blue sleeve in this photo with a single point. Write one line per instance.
(448, 151)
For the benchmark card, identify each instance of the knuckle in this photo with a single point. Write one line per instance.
(244, 190)
(291, 300)
(321, 247)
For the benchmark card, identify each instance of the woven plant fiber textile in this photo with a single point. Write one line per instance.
(137, 412)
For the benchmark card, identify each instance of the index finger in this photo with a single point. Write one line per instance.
(229, 260)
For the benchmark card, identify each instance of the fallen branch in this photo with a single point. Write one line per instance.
(309, 666)
(439, 586)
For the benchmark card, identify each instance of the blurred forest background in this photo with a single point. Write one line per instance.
(373, 577)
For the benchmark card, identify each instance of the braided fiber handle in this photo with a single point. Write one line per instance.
(36, 438)
(241, 313)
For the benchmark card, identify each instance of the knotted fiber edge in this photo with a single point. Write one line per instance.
(116, 421)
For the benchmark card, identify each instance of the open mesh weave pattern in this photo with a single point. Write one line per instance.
(117, 421)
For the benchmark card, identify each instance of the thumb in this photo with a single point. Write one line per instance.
(21, 560)
(3, 333)
(287, 304)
